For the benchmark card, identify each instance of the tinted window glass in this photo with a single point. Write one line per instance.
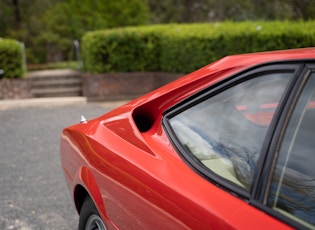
(293, 184)
(225, 132)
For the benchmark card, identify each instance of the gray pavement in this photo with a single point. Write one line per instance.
(33, 190)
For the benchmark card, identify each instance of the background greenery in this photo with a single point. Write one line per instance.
(48, 27)
(11, 59)
(183, 48)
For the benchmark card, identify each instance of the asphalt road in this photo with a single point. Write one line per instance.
(33, 192)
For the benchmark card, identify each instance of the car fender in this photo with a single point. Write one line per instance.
(89, 183)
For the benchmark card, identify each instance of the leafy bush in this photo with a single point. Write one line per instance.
(11, 58)
(183, 48)
(121, 50)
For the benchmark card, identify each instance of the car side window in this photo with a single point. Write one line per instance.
(292, 190)
(225, 132)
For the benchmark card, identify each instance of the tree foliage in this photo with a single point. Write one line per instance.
(187, 11)
(48, 27)
(69, 20)
(52, 25)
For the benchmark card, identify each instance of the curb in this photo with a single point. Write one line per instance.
(41, 102)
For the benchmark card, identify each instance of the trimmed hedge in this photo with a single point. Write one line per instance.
(183, 48)
(121, 50)
(11, 59)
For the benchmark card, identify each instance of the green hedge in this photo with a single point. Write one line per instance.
(183, 48)
(121, 50)
(11, 58)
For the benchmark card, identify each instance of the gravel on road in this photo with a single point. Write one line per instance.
(33, 190)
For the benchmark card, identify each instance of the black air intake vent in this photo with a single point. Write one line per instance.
(143, 120)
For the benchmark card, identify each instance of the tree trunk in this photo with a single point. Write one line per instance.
(16, 12)
(188, 9)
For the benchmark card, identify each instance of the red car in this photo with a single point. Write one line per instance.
(229, 146)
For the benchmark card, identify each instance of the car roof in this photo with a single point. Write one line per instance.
(252, 59)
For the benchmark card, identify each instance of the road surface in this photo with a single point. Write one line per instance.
(33, 190)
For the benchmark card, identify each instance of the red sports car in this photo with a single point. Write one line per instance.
(229, 146)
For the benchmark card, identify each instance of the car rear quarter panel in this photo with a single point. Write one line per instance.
(152, 190)
(142, 182)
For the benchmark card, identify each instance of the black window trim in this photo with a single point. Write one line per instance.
(285, 66)
(260, 198)
(274, 133)
(279, 131)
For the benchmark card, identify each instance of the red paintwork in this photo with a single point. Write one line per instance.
(138, 180)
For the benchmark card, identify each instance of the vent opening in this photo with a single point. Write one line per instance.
(144, 121)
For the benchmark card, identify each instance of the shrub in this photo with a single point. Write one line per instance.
(121, 50)
(11, 58)
(183, 48)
